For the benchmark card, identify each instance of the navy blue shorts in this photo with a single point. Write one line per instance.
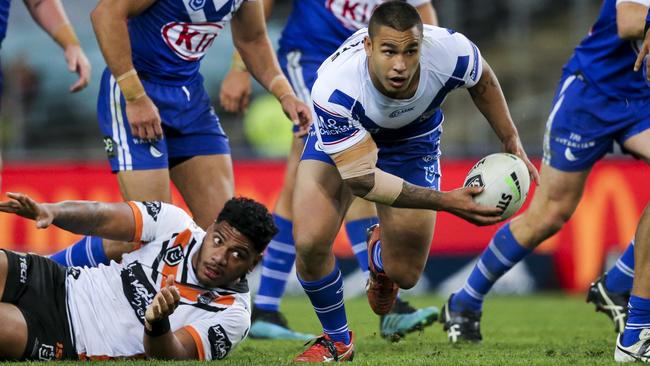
(190, 126)
(584, 124)
(417, 161)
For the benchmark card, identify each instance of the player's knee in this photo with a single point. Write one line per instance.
(404, 277)
(310, 250)
(550, 221)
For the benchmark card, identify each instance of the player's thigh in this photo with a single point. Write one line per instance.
(555, 200)
(284, 204)
(319, 205)
(406, 236)
(13, 332)
(145, 185)
(206, 182)
(361, 209)
(639, 145)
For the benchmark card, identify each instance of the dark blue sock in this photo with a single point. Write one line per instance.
(326, 295)
(638, 318)
(277, 263)
(619, 278)
(356, 230)
(502, 253)
(88, 252)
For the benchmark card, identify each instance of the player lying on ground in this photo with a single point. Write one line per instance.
(314, 30)
(376, 136)
(181, 295)
(599, 101)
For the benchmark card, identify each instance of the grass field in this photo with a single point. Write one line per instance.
(548, 329)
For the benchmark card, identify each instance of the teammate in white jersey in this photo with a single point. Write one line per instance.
(181, 295)
(376, 135)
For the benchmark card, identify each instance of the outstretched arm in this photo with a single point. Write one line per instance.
(357, 166)
(488, 98)
(114, 221)
(50, 15)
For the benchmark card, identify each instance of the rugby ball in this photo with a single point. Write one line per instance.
(506, 181)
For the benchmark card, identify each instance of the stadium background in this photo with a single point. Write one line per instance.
(53, 149)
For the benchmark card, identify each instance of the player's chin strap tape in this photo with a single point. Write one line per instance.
(360, 160)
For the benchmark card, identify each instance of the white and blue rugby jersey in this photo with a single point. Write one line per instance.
(348, 106)
(318, 27)
(170, 38)
(606, 60)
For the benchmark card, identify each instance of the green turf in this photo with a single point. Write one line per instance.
(548, 329)
(532, 330)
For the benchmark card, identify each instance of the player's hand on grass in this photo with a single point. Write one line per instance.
(144, 119)
(235, 91)
(22, 205)
(643, 52)
(78, 63)
(460, 202)
(298, 113)
(514, 147)
(164, 303)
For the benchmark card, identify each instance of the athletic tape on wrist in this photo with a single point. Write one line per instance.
(65, 35)
(158, 328)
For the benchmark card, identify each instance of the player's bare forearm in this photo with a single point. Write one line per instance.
(51, 16)
(411, 196)
(489, 99)
(253, 44)
(107, 220)
(171, 346)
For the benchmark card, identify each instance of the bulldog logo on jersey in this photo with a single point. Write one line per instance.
(190, 41)
(197, 5)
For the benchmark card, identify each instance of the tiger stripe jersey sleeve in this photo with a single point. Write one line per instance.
(154, 219)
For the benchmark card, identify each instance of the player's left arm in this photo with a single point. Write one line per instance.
(51, 16)
(159, 341)
(252, 42)
(114, 221)
(489, 99)
(644, 50)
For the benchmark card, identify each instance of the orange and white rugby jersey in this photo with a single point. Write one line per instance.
(106, 305)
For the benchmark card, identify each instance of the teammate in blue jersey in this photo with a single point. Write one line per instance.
(51, 16)
(599, 101)
(155, 113)
(376, 135)
(314, 30)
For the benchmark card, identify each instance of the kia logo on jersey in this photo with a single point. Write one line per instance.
(190, 41)
(354, 14)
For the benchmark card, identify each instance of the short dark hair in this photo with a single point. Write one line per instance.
(251, 219)
(398, 15)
